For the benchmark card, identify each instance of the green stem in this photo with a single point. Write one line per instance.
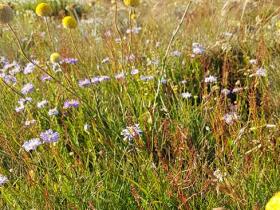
(49, 34)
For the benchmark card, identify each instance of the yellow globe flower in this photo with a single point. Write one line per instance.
(69, 22)
(43, 10)
(131, 3)
(273, 203)
(278, 24)
(55, 57)
(6, 14)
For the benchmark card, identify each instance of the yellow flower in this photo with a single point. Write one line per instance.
(133, 16)
(131, 3)
(69, 22)
(278, 24)
(6, 14)
(43, 10)
(55, 57)
(273, 203)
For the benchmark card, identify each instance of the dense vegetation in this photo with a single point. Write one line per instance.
(168, 105)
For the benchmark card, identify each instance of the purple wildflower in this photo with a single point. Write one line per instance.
(27, 88)
(71, 103)
(131, 132)
(84, 83)
(49, 136)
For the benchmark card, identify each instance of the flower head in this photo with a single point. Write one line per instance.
(69, 22)
(3, 180)
(32, 144)
(131, 132)
(71, 103)
(49, 136)
(55, 57)
(274, 202)
(131, 3)
(27, 88)
(43, 10)
(6, 14)
(53, 112)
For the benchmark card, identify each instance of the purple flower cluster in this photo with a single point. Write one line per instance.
(71, 103)
(48, 136)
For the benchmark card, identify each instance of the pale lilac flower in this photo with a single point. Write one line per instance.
(230, 118)
(186, 95)
(176, 53)
(95, 80)
(135, 30)
(70, 60)
(105, 60)
(261, 72)
(84, 82)
(134, 71)
(45, 78)
(49, 136)
(32, 144)
(16, 69)
(237, 89)
(270, 126)
(71, 103)
(163, 81)
(53, 112)
(29, 68)
(27, 88)
(29, 122)
(120, 75)
(253, 61)
(42, 104)
(197, 49)
(20, 108)
(210, 79)
(225, 91)
(3, 180)
(130, 57)
(146, 78)
(131, 132)
(9, 79)
(104, 78)
(24, 100)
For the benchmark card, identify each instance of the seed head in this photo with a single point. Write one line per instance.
(6, 14)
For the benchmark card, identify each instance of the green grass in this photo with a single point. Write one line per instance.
(185, 142)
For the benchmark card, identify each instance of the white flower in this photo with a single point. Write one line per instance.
(42, 104)
(129, 133)
(53, 112)
(176, 53)
(3, 180)
(197, 49)
(229, 118)
(261, 72)
(29, 122)
(186, 95)
(210, 79)
(32, 144)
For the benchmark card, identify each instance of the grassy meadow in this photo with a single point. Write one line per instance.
(170, 104)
